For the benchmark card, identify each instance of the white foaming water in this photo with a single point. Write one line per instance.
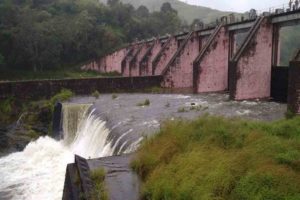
(38, 172)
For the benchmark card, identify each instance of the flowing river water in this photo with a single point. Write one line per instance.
(105, 127)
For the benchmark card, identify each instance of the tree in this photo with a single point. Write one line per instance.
(113, 3)
(142, 11)
(196, 24)
(167, 8)
(43, 34)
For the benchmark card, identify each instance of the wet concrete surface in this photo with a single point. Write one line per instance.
(121, 182)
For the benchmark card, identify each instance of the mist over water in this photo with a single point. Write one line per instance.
(38, 172)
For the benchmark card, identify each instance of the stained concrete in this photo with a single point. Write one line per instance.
(179, 72)
(135, 63)
(253, 68)
(146, 67)
(213, 68)
(165, 55)
(114, 60)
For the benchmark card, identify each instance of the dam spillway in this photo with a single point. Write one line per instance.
(38, 171)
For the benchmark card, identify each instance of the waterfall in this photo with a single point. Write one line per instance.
(73, 115)
(38, 171)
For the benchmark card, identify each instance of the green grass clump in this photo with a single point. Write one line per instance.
(196, 108)
(289, 114)
(156, 90)
(114, 96)
(63, 95)
(96, 94)
(144, 103)
(182, 110)
(99, 191)
(215, 158)
(6, 106)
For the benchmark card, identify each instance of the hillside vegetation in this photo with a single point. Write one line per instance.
(52, 34)
(226, 159)
(185, 11)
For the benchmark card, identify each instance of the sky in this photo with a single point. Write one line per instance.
(239, 5)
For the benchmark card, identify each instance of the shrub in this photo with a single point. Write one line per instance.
(96, 94)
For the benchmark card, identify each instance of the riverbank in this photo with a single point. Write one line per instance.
(22, 121)
(216, 158)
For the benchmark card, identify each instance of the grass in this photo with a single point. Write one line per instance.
(63, 95)
(213, 158)
(96, 94)
(182, 110)
(62, 73)
(99, 191)
(144, 103)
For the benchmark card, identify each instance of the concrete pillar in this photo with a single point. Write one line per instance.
(135, 62)
(114, 60)
(179, 71)
(276, 46)
(294, 87)
(250, 69)
(146, 68)
(165, 55)
(211, 65)
(126, 61)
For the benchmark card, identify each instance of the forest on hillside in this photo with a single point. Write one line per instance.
(186, 12)
(39, 35)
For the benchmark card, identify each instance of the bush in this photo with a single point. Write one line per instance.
(96, 94)
(216, 158)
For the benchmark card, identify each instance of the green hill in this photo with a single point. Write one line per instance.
(185, 11)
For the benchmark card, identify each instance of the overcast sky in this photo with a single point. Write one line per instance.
(238, 5)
